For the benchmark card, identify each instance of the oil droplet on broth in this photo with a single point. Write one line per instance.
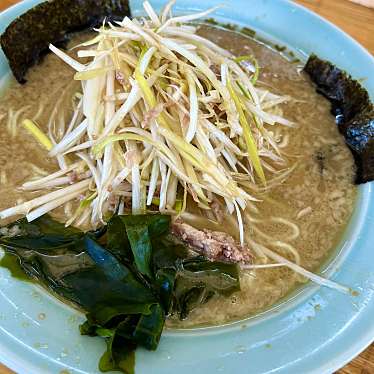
(42, 316)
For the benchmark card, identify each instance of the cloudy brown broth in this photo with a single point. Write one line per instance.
(318, 196)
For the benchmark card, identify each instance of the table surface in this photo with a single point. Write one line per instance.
(358, 21)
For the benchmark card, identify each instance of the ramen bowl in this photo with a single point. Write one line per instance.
(316, 330)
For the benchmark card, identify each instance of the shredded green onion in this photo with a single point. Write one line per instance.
(250, 142)
(38, 134)
(161, 110)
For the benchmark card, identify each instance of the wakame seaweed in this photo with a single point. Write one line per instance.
(26, 39)
(127, 277)
(353, 110)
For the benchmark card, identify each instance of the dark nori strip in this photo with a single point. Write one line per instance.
(26, 39)
(353, 110)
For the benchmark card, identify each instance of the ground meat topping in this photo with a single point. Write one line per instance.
(215, 245)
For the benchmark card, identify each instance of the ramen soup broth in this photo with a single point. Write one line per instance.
(317, 198)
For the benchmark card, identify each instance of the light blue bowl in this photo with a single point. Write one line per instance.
(317, 331)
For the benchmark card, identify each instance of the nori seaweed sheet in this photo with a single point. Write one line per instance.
(353, 110)
(26, 39)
